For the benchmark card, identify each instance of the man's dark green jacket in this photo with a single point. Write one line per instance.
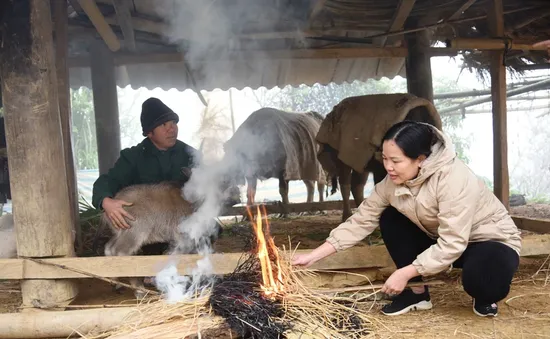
(144, 164)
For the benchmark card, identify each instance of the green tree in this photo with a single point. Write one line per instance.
(84, 134)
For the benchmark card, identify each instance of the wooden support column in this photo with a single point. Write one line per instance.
(418, 66)
(498, 97)
(61, 52)
(105, 106)
(35, 146)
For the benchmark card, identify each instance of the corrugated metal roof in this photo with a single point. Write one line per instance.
(241, 73)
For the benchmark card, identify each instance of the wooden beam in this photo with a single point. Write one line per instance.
(531, 224)
(316, 10)
(528, 21)
(60, 14)
(461, 10)
(147, 266)
(105, 106)
(62, 324)
(498, 98)
(38, 182)
(418, 65)
(102, 27)
(144, 25)
(327, 53)
(490, 44)
(404, 8)
(293, 208)
(124, 18)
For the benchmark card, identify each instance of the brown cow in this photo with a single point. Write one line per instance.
(159, 210)
(351, 135)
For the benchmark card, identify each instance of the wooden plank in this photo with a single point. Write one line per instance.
(535, 244)
(146, 266)
(275, 208)
(327, 53)
(498, 98)
(461, 10)
(60, 13)
(144, 25)
(102, 27)
(124, 18)
(404, 8)
(533, 225)
(316, 10)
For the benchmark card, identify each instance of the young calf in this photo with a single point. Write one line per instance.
(158, 210)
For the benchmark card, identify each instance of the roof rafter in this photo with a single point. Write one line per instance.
(122, 9)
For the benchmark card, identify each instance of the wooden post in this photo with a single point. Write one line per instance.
(61, 52)
(418, 66)
(498, 97)
(105, 106)
(35, 147)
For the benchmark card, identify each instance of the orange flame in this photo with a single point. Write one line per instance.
(265, 246)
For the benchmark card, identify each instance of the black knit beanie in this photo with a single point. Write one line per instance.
(155, 113)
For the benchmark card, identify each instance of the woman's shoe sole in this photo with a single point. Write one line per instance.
(423, 305)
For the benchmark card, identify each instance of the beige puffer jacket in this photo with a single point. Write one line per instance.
(446, 200)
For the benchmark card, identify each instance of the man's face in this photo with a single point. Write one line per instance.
(164, 136)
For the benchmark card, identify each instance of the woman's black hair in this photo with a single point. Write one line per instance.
(414, 139)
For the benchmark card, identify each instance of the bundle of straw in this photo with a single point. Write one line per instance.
(296, 311)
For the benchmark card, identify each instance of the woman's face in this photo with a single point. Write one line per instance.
(400, 168)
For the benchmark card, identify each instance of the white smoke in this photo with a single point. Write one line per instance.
(209, 33)
(204, 189)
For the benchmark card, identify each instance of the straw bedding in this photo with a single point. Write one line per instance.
(235, 300)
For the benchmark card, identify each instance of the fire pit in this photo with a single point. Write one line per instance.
(263, 298)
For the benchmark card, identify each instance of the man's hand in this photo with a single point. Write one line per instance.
(115, 212)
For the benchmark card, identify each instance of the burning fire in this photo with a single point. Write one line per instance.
(270, 285)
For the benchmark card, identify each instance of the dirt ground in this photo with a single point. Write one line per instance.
(536, 211)
(525, 313)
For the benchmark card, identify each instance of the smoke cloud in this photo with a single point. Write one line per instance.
(209, 33)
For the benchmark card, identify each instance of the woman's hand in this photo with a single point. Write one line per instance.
(305, 260)
(317, 254)
(114, 209)
(397, 282)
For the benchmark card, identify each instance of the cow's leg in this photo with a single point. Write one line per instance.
(377, 169)
(127, 243)
(321, 190)
(283, 191)
(310, 186)
(358, 181)
(344, 178)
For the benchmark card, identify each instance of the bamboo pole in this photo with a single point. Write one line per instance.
(61, 324)
(491, 44)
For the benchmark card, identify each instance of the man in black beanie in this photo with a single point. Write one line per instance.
(159, 157)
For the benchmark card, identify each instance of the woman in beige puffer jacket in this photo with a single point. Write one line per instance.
(434, 213)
